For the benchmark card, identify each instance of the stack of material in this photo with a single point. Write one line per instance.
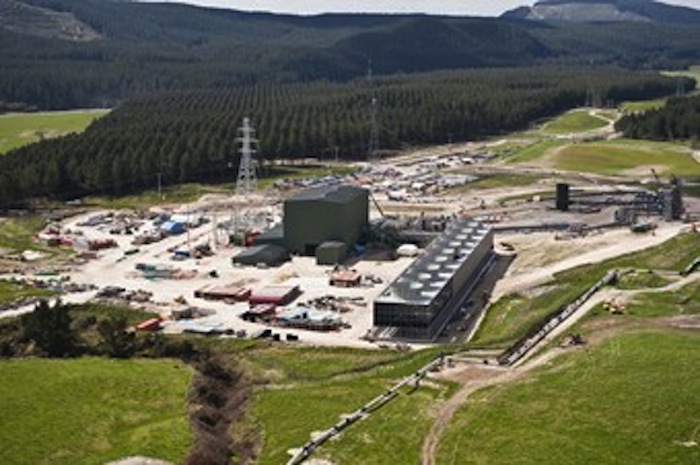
(344, 277)
(226, 293)
(307, 318)
(277, 295)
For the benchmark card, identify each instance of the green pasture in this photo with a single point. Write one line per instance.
(643, 105)
(17, 234)
(684, 301)
(309, 392)
(181, 193)
(281, 363)
(617, 157)
(630, 400)
(18, 129)
(534, 151)
(574, 122)
(641, 279)
(88, 411)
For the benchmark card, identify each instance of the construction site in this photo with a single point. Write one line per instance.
(400, 251)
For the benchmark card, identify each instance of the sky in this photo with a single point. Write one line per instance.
(450, 7)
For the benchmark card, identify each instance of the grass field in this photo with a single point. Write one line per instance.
(89, 411)
(574, 122)
(533, 152)
(684, 301)
(9, 292)
(641, 279)
(18, 129)
(626, 156)
(182, 193)
(17, 234)
(631, 400)
(191, 192)
(642, 106)
(309, 392)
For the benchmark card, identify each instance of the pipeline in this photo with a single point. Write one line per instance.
(307, 449)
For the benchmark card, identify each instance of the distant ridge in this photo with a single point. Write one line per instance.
(60, 54)
(590, 11)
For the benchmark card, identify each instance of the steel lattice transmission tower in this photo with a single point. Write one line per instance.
(373, 148)
(246, 170)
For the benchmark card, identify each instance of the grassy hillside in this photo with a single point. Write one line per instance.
(511, 316)
(308, 390)
(644, 105)
(574, 121)
(633, 157)
(18, 129)
(627, 401)
(89, 411)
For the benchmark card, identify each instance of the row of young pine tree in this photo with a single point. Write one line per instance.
(192, 136)
(679, 119)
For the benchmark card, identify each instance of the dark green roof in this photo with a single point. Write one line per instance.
(334, 194)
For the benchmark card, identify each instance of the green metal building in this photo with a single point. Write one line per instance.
(319, 215)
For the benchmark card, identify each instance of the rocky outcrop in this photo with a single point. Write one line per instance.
(31, 20)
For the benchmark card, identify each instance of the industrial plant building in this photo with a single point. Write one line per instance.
(325, 222)
(325, 214)
(421, 302)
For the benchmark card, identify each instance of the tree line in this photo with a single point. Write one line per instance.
(679, 119)
(192, 136)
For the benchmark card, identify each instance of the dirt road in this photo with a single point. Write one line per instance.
(618, 243)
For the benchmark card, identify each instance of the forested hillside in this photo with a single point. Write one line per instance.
(191, 136)
(679, 119)
(117, 49)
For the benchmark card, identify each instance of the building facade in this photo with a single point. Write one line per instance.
(316, 216)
